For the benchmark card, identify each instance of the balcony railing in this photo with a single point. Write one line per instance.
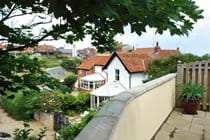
(135, 114)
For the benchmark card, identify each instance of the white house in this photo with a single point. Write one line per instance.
(127, 68)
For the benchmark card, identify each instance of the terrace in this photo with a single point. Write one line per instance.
(150, 111)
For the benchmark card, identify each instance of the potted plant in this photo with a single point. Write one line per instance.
(191, 95)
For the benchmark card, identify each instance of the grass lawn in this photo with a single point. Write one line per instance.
(51, 61)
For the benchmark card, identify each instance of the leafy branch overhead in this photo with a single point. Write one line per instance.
(102, 19)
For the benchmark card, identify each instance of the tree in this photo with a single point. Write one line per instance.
(23, 71)
(102, 19)
(70, 79)
(71, 64)
(162, 66)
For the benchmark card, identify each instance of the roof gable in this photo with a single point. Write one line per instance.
(132, 62)
(96, 60)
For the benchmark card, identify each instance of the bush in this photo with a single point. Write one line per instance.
(70, 79)
(48, 101)
(71, 64)
(25, 133)
(83, 101)
(71, 131)
(20, 106)
(75, 104)
(69, 102)
(162, 66)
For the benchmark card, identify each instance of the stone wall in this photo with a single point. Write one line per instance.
(47, 119)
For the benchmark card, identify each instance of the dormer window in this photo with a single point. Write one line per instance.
(117, 74)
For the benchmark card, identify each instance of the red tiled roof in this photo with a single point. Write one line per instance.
(144, 50)
(96, 60)
(2, 46)
(45, 48)
(133, 62)
(156, 54)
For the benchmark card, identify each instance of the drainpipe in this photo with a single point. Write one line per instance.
(106, 76)
(130, 81)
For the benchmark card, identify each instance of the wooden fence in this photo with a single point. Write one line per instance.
(198, 72)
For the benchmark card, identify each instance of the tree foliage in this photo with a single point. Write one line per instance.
(70, 79)
(71, 64)
(159, 67)
(71, 131)
(18, 72)
(102, 19)
(25, 133)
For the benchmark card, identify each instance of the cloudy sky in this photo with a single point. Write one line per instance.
(198, 41)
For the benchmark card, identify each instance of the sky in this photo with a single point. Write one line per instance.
(198, 41)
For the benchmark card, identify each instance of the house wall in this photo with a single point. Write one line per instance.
(98, 69)
(136, 79)
(124, 75)
(82, 72)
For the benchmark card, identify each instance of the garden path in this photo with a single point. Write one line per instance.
(8, 125)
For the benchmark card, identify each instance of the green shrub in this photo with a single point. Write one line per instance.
(71, 131)
(69, 103)
(72, 105)
(191, 92)
(71, 64)
(70, 79)
(83, 101)
(48, 101)
(25, 133)
(20, 106)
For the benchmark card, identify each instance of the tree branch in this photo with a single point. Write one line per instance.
(33, 42)
(18, 15)
(8, 15)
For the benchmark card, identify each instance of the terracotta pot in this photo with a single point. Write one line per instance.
(191, 107)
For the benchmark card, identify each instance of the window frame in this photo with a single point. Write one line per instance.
(117, 75)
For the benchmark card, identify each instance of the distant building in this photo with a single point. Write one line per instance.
(124, 48)
(42, 49)
(156, 52)
(90, 74)
(45, 49)
(92, 65)
(2, 47)
(58, 73)
(87, 53)
(64, 52)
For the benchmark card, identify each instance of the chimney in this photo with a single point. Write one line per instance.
(74, 52)
(157, 47)
(177, 48)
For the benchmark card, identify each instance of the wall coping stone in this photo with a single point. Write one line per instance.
(103, 123)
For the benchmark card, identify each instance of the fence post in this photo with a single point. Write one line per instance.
(205, 84)
(193, 73)
(179, 80)
(187, 73)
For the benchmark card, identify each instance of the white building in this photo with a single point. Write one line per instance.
(127, 68)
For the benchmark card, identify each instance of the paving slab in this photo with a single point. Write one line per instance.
(181, 126)
(8, 125)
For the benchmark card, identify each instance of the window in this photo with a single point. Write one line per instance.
(80, 72)
(117, 74)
